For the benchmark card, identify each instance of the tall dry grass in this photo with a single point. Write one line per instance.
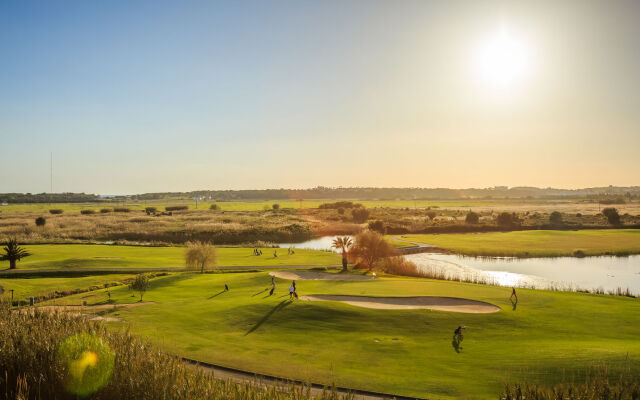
(32, 366)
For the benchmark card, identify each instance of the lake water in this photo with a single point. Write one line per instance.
(608, 273)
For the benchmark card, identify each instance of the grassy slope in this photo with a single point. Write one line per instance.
(33, 286)
(537, 243)
(104, 256)
(551, 336)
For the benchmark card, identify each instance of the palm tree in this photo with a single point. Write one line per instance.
(13, 253)
(342, 243)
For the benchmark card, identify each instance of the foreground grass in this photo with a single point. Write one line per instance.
(42, 357)
(549, 338)
(545, 243)
(72, 256)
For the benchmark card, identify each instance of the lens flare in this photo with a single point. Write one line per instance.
(88, 362)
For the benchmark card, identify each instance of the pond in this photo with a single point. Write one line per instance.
(607, 273)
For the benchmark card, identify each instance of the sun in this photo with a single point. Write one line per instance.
(503, 59)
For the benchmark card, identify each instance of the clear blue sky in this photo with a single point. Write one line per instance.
(139, 96)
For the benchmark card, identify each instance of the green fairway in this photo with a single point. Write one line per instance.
(76, 256)
(536, 243)
(35, 286)
(550, 337)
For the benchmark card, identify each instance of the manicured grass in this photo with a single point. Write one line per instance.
(537, 243)
(75, 256)
(34, 286)
(550, 337)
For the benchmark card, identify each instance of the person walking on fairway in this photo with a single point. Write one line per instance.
(293, 283)
(226, 287)
(513, 294)
(291, 290)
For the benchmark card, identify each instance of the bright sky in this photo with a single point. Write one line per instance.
(140, 96)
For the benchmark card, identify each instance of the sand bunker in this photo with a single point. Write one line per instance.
(452, 304)
(319, 276)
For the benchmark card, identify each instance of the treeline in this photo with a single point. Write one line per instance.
(49, 198)
(372, 193)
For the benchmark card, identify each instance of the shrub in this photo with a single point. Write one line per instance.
(340, 210)
(150, 210)
(555, 218)
(472, 218)
(121, 209)
(40, 221)
(507, 219)
(397, 265)
(56, 211)
(370, 247)
(87, 212)
(431, 215)
(214, 207)
(176, 208)
(105, 210)
(612, 215)
(360, 214)
(275, 206)
(377, 226)
(339, 204)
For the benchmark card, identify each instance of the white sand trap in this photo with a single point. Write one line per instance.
(452, 304)
(318, 276)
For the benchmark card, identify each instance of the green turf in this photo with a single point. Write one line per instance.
(550, 336)
(536, 243)
(35, 286)
(75, 256)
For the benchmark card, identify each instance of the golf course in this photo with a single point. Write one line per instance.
(545, 338)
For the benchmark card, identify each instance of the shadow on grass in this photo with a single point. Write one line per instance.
(514, 303)
(264, 319)
(217, 294)
(260, 292)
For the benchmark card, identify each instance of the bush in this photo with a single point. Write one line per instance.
(472, 218)
(150, 210)
(87, 212)
(40, 221)
(377, 226)
(397, 266)
(370, 247)
(105, 210)
(339, 204)
(214, 207)
(507, 219)
(555, 218)
(275, 206)
(121, 209)
(56, 211)
(360, 214)
(176, 208)
(612, 215)
(431, 215)
(340, 210)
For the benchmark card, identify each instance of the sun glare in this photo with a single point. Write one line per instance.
(503, 59)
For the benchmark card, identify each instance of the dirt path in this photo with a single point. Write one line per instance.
(319, 276)
(451, 304)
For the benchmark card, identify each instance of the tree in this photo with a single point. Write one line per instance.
(275, 206)
(472, 218)
(40, 221)
(369, 248)
(360, 214)
(377, 226)
(140, 284)
(200, 255)
(13, 253)
(555, 218)
(214, 207)
(507, 219)
(343, 243)
(612, 215)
